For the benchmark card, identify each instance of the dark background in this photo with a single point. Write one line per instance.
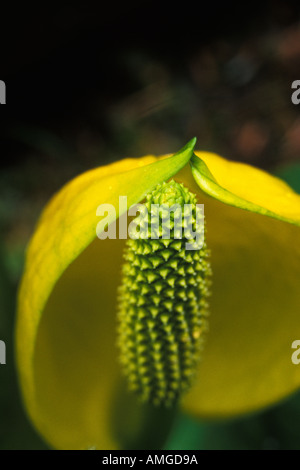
(87, 86)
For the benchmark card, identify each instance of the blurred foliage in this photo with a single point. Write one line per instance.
(290, 174)
(277, 428)
(15, 430)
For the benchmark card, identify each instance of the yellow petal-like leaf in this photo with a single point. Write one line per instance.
(245, 187)
(79, 400)
(255, 301)
(66, 347)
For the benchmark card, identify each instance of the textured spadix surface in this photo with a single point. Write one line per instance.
(163, 298)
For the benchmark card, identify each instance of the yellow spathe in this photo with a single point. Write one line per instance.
(66, 351)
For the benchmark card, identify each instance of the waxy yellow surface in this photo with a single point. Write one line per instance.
(66, 339)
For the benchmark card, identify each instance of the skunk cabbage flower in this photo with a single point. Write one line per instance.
(66, 334)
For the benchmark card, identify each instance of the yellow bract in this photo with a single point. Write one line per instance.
(256, 299)
(66, 227)
(67, 356)
(245, 187)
